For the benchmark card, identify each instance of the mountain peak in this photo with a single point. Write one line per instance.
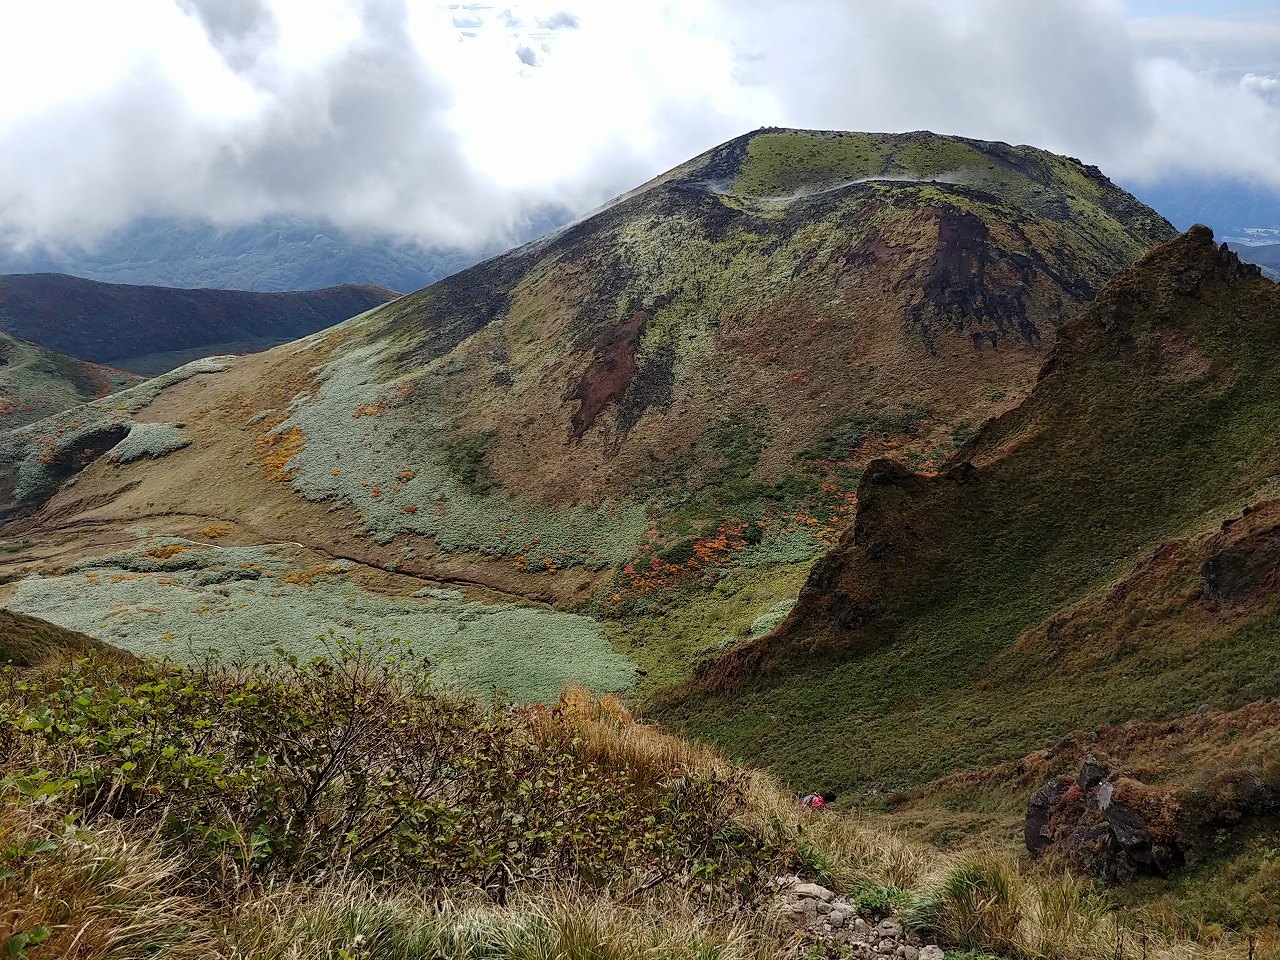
(693, 378)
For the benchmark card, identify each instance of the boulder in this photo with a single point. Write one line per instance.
(1109, 826)
(1037, 829)
(813, 891)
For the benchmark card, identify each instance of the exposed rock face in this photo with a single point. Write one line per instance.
(1117, 828)
(1244, 562)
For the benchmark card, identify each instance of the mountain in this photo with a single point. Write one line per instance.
(1106, 550)
(1265, 255)
(35, 382)
(595, 458)
(1238, 212)
(275, 255)
(153, 329)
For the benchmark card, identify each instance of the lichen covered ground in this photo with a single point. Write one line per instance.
(177, 598)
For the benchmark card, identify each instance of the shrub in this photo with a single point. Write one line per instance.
(297, 770)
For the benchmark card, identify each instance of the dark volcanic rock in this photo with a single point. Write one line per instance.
(1038, 828)
(1117, 828)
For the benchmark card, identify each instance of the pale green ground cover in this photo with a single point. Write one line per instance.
(236, 601)
(150, 440)
(782, 546)
(28, 451)
(345, 463)
(771, 618)
(131, 401)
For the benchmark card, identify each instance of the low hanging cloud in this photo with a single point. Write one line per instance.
(457, 126)
(1066, 76)
(360, 139)
(560, 20)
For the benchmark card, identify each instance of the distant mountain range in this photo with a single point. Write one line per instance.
(152, 329)
(275, 255)
(1265, 255)
(1237, 213)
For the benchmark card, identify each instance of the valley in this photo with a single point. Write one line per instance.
(938, 473)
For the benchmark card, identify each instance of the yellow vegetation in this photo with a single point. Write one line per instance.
(167, 551)
(275, 450)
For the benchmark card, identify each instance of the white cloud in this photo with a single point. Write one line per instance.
(1260, 85)
(454, 123)
(1204, 127)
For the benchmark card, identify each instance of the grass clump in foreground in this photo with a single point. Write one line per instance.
(345, 809)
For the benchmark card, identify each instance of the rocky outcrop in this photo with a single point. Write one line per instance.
(828, 920)
(1117, 828)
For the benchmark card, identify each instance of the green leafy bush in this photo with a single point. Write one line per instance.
(300, 769)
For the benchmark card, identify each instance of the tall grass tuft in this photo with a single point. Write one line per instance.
(346, 921)
(977, 904)
(92, 895)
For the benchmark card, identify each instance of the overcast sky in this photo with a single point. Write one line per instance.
(453, 122)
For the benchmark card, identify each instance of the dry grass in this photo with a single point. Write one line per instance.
(999, 904)
(100, 895)
(349, 920)
(607, 733)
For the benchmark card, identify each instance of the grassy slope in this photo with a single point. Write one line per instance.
(35, 382)
(1234, 880)
(26, 641)
(1160, 419)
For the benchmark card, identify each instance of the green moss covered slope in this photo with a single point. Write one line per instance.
(1106, 550)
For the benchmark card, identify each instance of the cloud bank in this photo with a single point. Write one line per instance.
(457, 124)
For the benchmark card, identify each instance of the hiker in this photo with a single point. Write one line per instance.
(818, 801)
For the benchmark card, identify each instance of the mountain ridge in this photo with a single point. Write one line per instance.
(1042, 568)
(145, 326)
